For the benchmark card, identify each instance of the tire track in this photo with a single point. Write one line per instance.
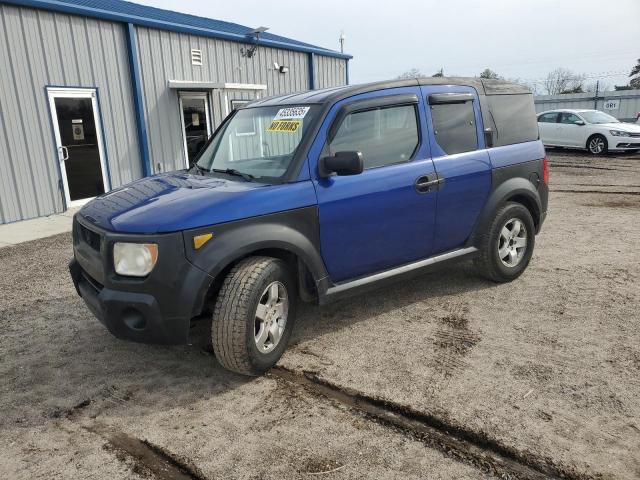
(466, 446)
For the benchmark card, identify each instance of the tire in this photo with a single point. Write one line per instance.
(236, 320)
(495, 260)
(597, 145)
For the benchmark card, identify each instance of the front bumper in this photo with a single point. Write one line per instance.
(154, 309)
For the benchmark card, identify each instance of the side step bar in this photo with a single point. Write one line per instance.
(421, 266)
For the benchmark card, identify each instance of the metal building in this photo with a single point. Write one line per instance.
(622, 104)
(97, 93)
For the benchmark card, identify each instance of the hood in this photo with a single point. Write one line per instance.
(177, 201)
(625, 127)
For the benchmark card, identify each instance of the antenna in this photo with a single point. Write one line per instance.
(341, 39)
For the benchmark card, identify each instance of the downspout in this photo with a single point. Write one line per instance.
(312, 71)
(138, 102)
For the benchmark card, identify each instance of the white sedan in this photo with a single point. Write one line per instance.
(593, 130)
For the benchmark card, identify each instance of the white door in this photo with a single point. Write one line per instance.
(571, 130)
(196, 123)
(78, 135)
(547, 127)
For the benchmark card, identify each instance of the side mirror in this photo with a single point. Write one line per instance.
(342, 163)
(579, 122)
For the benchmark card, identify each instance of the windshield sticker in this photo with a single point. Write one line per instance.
(289, 126)
(291, 112)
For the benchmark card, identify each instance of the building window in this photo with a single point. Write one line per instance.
(454, 126)
(247, 126)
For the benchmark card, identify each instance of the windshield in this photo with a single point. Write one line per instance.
(258, 142)
(595, 116)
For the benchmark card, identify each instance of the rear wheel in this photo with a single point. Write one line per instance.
(507, 246)
(597, 145)
(254, 315)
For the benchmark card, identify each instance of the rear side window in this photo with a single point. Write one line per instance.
(384, 136)
(548, 117)
(514, 117)
(454, 126)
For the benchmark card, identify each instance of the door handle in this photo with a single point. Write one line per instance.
(64, 151)
(428, 183)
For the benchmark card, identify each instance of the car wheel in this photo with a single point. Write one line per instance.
(506, 248)
(254, 315)
(597, 145)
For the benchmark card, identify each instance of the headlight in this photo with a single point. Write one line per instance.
(134, 259)
(618, 133)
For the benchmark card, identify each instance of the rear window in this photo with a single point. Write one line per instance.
(514, 117)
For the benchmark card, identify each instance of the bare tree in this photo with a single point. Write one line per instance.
(412, 73)
(635, 72)
(488, 73)
(439, 73)
(562, 80)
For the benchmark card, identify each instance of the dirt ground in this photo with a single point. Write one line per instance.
(544, 371)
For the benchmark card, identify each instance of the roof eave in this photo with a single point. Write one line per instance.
(56, 6)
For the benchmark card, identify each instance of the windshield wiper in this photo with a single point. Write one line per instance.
(200, 169)
(232, 171)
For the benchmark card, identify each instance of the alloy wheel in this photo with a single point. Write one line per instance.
(596, 145)
(512, 244)
(271, 317)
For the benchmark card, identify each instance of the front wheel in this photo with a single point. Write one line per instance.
(506, 248)
(254, 315)
(597, 145)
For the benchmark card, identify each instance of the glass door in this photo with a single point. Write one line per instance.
(196, 125)
(77, 132)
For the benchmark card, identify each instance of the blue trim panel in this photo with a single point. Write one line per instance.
(516, 153)
(312, 71)
(113, 15)
(136, 85)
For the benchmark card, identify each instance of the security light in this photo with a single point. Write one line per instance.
(255, 34)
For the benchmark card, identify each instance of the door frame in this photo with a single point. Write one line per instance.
(200, 95)
(76, 92)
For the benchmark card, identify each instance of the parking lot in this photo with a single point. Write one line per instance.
(446, 376)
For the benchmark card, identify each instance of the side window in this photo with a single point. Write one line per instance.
(548, 117)
(454, 126)
(384, 136)
(570, 118)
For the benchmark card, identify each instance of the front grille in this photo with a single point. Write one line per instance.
(89, 237)
(634, 135)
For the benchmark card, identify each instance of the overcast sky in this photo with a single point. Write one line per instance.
(517, 38)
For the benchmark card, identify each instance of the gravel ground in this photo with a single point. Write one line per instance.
(546, 366)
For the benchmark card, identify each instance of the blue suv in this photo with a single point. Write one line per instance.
(314, 196)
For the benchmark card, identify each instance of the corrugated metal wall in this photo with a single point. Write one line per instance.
(628, 102)
(39, 49)
(330, 71)
(166, 56)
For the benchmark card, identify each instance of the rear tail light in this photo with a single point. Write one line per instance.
(545, 171)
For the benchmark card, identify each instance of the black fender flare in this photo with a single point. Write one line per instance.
(294, 231)
(517, 189)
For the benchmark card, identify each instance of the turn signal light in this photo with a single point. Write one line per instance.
(200, 240)
(545, 171)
